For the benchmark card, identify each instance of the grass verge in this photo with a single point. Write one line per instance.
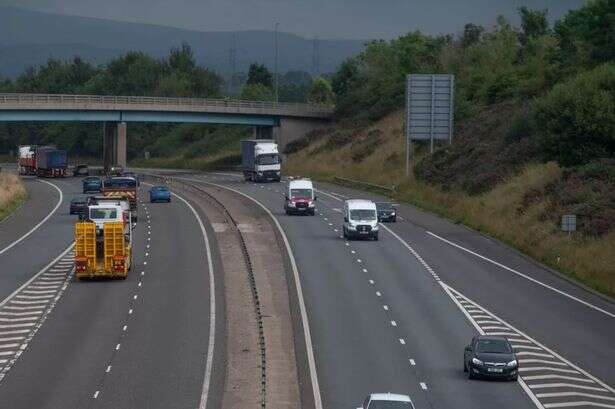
(12, 194)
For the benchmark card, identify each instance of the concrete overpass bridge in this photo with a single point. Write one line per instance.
(283, 122)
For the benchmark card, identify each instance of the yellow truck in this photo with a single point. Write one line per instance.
(106, 253)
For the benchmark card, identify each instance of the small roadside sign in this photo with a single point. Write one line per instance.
(569, 223)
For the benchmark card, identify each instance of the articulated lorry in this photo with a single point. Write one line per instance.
(103, 243)
(42, 161)
(260, 160)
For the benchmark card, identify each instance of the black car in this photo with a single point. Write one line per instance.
(78, 205)
(386, 212)
(490, 356)
(132, 175)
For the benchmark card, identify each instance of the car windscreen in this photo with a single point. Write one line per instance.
(301, 193)
(362, 214)
(103, 214)
(382, 404)
(160, 189)
(268, 159)
(91, 180)
(384, 206)
(494, 346)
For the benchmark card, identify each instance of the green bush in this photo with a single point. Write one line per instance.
(577, 118)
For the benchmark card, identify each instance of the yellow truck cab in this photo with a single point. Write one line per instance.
(103, 243)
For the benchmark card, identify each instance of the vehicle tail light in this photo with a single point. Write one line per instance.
(118, 263)
(81, 264)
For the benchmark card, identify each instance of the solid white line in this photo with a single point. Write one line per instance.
(9, 345)
(22, 319)
(24, 325)
(579, 403)
(39, 224)
(11, 339)
(19, 331)
(7, 353)
(566, 385)
(29, 291)
(40, 303)
(546, 368)
(568, 378)
(564, 394)
(302, 308)
(34, 297)
(523, 275)
(37, 275)
(13, 307)
(524, 353)
(21, 314)
(540, 361)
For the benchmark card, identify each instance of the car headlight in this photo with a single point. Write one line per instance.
(512, 363)
(260, 173)
(291, 204)
(477, 361)
(375, 228)
(351, 227)
(311, 204)
(392, 213)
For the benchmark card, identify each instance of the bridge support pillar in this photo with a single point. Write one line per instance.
(263, 132)
(114, 144)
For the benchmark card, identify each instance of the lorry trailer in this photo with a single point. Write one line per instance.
(42, 161)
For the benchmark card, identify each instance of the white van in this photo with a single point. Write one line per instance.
(300, 197)
(360, 219)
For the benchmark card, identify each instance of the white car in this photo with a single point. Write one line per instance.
(360, 219)
(387, 401)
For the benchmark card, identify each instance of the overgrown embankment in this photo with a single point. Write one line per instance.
(12, 194)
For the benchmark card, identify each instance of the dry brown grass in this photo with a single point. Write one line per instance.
(12, 193)
(498, 212)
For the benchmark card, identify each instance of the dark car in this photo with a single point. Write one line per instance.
(386, 212)
(92, 184)
(490, 356)
(81, 170)
(78, 204)
(132, 175)
(159, 194)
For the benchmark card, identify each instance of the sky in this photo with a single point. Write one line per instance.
(357, 19)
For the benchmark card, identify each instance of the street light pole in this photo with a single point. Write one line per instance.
(276, 62)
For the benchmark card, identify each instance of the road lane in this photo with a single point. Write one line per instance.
(139, 342)
(19, 263)
(558, 321)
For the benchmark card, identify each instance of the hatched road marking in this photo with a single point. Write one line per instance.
(23, 312)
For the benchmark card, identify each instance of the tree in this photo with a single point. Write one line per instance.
(320, 92)
(588, 33)
(182, 59)
(259, 74)
(534, 24)
(256, 92)
(472, 34)
(577, 118)
(345, 77)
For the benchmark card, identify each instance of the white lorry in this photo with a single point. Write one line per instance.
(260, 160)
(300, 197)
(360, 219)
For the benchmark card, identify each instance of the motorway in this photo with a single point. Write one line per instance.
(392, 315)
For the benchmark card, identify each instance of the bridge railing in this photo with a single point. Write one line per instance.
(59, 100)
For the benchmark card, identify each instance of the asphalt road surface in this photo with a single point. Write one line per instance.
(140, 342)
(395, 315)
(392, 315)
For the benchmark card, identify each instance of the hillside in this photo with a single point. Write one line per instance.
(534, 136)
(98, 40)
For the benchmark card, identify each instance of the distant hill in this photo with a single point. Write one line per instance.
(28, 38)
